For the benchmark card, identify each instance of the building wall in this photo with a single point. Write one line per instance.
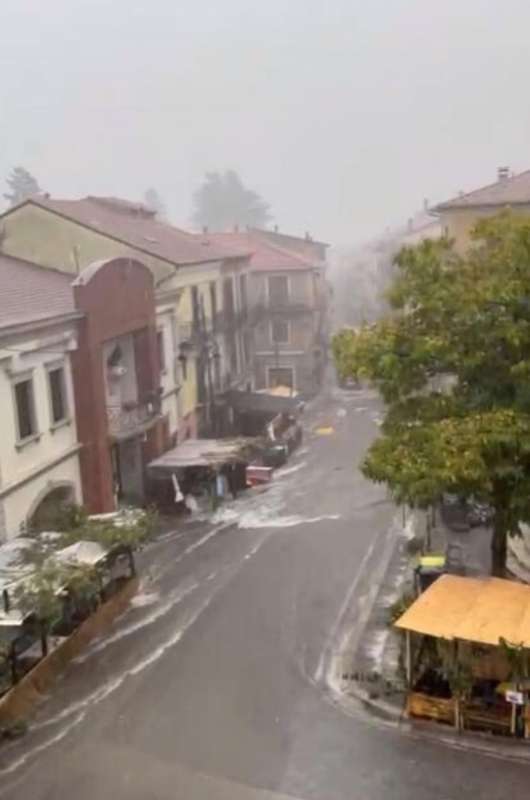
(117, 300)
(170, 375)
(52, 241)
(30, 468)
(302, 289)
(304, 313)
(20, 504)
(458, 223)
(47, 239)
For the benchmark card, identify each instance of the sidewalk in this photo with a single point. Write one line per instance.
(373, 674)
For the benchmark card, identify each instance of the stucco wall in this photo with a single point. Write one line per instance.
(52, 241)
(458, 223)
(22, 502)
(170, 376)
(31, 463)
(301, 287)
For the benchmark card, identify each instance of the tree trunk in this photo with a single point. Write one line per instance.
(499, 549)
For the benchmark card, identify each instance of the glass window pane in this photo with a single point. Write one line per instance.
(57, 392)
(24, 402)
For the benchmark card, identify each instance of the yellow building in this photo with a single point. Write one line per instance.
(201, 289)
(459, 215)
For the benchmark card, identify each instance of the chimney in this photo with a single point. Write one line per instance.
(308, 237)
(503, 173)
(426, 204)
(236, 228)
(205, 229)
(410, 224)
(276, 229)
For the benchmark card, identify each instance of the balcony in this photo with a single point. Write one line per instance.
(190, 333)
(287, 307)
(129, 419)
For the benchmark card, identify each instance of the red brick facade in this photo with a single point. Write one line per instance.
(117, 298)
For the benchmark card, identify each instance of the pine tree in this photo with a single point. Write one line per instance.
(22, 185)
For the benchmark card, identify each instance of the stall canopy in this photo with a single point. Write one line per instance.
(203, 453)
(263, 402)
(83, 552)
(481, 610)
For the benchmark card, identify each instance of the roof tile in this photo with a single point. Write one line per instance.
(30, 293)
(514, 190)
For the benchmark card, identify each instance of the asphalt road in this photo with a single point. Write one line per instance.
(214, 684)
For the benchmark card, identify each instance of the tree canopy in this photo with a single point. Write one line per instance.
(21, 185)
(222, 202)
(452, 362)
(154, 202)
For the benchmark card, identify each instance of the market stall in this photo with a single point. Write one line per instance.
(202, 470)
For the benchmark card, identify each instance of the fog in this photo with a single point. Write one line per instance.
(342, 115)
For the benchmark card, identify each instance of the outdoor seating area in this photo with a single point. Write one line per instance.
(78, 578)
(467, 654)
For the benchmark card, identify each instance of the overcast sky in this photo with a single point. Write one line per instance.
(342, 114)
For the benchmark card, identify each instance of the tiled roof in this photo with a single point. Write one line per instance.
(135, 225)
(30, 293)
(266, 257)
(508, 191)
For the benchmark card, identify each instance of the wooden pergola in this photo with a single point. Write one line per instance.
(482, 620)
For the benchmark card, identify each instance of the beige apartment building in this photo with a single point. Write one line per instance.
(39, 448)
(459, 215)
(200, 290)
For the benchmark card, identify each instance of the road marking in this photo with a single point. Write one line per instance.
(328, 647)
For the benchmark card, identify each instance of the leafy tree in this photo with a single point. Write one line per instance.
(38, 595)
(452, 362)
(154, 202)
(223, 202)
(22, 185)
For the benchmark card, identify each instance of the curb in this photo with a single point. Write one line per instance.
(472, 742)
(19, 702)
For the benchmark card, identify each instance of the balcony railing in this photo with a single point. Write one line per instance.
(285, 308)
(129, 418)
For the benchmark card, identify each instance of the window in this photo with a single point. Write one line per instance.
(278, 290)
(228, 298)
(195, 306)
(281, 376)
(213, 302)
(243, 293)
(161, 351)
(280, 331)
(25, 409)
(57, 384)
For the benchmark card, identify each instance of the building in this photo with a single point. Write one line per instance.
(287, 295)
(122, 422)
(192, 277)
(39, 446)
(459, 215)
(80, 388)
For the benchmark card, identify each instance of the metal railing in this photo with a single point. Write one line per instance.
(130, 417)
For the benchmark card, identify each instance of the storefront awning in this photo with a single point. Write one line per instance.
(482, 610)
(204, 453)
(263, 403)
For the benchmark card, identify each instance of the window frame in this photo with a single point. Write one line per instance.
(271, 368)
(16, 380)
(53, 367)
(285, 322)
(287, 280)
(161, 351)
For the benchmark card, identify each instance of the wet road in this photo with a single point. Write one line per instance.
(214, 684)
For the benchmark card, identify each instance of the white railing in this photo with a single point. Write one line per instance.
(127, 418)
